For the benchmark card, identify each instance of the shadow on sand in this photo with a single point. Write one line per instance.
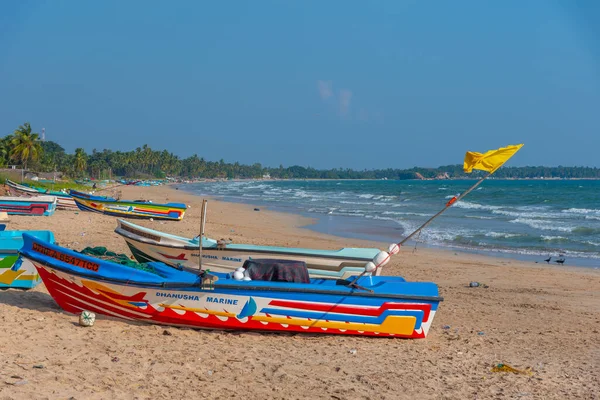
(30, 300)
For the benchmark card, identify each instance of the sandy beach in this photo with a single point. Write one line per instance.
(532, 316)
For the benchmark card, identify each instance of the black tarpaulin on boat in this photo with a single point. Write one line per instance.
(277, 270)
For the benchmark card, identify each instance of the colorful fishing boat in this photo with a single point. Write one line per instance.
(127, 208)
(63, 200)
(372, 306)
(36, 205)
(16, 272)
(148, 245)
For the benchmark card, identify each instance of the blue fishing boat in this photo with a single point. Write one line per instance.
(14, 271)
(248, 299)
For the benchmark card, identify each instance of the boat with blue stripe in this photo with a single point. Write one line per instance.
(384, 306)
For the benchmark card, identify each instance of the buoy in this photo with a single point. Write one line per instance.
(238, 275)
(87, 318)
(381, 259)
(370, 267)
(393, 249)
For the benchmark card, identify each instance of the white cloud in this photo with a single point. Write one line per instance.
(325, 89)
(345, 99)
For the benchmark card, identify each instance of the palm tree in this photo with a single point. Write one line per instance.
(25, 145)
(80, 160)
(5, 146)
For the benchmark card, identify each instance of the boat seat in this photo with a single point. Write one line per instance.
(277, 270)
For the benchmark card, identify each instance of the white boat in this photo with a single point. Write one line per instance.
(151, 245)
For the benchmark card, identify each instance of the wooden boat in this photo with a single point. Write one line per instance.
(14, 271)
(148, 245)
(36, 205)
(63, 200)
(374, 306)
(127, 208)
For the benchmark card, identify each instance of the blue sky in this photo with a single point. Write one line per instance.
(326, 84)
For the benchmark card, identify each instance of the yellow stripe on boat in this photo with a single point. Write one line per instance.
(398, 325)
(9, 276)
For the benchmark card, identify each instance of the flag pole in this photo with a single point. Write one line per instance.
(202, 224)
(476, 161)
(448, 205)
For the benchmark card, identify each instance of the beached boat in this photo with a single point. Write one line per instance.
(160, 294)
(14, 271)
(35, 205)
(128, 208)
(63, 200)
(150, 245)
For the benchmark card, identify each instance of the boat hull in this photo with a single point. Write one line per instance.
(132, 209)
(148, 245)
(63, 201)
(79, 282)
(37, 206)
(16, 272)
(213, 310)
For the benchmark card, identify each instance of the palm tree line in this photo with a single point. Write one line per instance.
(24, 148)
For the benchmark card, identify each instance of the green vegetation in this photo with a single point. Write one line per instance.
(24, 147)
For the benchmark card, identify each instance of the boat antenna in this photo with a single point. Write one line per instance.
(490, 161)
(202, 225)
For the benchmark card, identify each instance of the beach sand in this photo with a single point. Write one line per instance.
(536, 316)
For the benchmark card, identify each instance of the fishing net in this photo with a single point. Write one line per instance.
(104, 254)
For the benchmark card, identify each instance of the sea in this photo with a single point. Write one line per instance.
(529, 220)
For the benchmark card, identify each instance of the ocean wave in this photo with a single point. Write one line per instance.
(553, 238)
(543, 225)
(528, 214)
(502, 234)
(592, 243)
(582, 211)
(474, 206)
(261, 186)
(415, 214)
(585, 230)
(478, 217)
(353, 202)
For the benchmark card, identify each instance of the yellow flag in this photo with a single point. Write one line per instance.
(490, 161)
